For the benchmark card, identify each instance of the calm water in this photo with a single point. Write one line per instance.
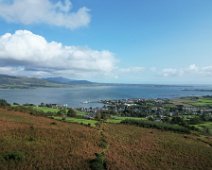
(76, 95)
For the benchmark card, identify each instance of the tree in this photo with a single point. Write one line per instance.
(180, 108)
(195, 120)
(61, 112)
(71, 113)
(4, 103)
(98, 116)
(178, 120)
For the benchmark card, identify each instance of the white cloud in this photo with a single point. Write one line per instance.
(21, 71)
(35, 53)
(130, 70)
(203, 71)
(11, 70)
(44, 11)
(167, 72)
(191, 70)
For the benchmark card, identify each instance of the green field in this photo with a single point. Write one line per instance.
(118, 119)
(80, 113)
(78, 120)
(46, 109)
(200, 102)
(203, 102)
(205, 127)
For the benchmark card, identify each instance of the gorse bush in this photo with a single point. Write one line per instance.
(156, 125)
(99, 162)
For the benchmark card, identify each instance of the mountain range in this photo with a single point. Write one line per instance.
(7, 81)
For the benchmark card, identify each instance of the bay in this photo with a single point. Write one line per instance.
(78, 95)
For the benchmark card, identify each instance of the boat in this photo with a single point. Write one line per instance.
(85, 102)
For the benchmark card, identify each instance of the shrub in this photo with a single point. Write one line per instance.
(178, 120)
(31, 139)
(195, 120)
(103, 143)
(99, 162)
(150, 118)
(193, 128)
(53, 123)
(59, 113)
(97, 124)
(102, 115)
(15, 156)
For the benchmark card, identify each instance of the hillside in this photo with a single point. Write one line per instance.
(137, 148)
(7, 81)
(62, 80)
(42, 143)
(32, 142)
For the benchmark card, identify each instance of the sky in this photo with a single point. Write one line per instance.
(140, 41)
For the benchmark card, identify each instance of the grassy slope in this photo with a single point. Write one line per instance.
(137, 148)
(65, 146)
(45, 145)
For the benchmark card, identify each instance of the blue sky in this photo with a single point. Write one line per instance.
(146, 41)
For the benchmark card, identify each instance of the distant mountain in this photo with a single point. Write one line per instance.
(7, 81)
(62, 80)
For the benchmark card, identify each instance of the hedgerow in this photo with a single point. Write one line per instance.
(156, 125)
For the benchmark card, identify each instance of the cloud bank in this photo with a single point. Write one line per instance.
(44, 11)
(25, 51)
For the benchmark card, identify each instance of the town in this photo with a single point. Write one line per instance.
(194, 113)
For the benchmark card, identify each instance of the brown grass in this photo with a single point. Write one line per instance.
(45, 145)
(134, 148)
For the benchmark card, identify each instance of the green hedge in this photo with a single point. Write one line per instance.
(156, 125)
